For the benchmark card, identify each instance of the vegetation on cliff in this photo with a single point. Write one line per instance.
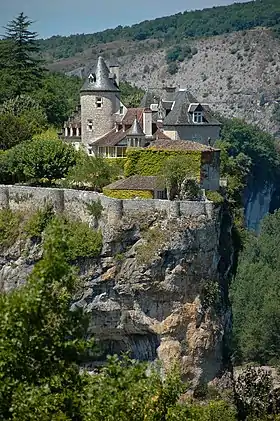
(255, 296)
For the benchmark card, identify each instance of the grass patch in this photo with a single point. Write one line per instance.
(154, 239)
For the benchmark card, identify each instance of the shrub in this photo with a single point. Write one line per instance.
(82, 241)
(172, 68)
(39, 222)
(9, 228)
(214, 196)
(94, 209)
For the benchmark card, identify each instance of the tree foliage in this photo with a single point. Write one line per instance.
(42, 341)
(21, 49)
(255, 296)
(38, 161)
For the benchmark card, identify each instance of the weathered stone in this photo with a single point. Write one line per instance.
(154, 306)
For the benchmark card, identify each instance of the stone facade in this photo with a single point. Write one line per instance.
(101, 119)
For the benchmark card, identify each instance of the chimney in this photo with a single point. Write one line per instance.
(115, 73)
(148, 122)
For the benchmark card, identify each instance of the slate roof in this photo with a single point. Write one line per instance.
(136, 129)
(180, 145)
(101, 81)
(111, 139)
(138, 182)
(179, 115)
(149, 98)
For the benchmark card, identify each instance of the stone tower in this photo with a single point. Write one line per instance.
(100, 99)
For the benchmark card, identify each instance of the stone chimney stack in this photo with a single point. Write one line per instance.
(115, 73)
(148, 122)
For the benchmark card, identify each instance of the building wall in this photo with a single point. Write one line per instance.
(73, 203)
(210, 171)
(196, 133)
(103, 118)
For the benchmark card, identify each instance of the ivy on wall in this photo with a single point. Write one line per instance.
(128, 194)
(150, 161)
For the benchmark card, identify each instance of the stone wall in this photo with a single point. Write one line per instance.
(73, 202)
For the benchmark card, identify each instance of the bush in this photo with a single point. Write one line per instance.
(215, 197)
(93, 172)
(9, 228)
(39, 222)
(82, 241)
(172, 68)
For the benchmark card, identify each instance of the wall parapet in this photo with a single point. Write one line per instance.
(74, 201)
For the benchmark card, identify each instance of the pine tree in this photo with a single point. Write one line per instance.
(25, 67)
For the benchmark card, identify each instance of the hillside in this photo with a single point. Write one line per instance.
(175, 28)
(237, 73)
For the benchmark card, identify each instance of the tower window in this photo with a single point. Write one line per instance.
(90, 125)
(98, 102)
(198, 117)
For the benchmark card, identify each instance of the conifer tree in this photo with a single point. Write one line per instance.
(25, 67)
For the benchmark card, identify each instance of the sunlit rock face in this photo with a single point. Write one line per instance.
(159, 290)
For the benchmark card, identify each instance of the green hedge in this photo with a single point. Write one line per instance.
(128, 194)
(150, 161)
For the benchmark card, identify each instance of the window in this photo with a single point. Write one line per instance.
(160, 194)
(90, 125)
(98, 102)
(198, 117)
(89, 151)
(121, 109)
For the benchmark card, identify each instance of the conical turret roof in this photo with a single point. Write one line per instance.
(100, 80)
(136, 129)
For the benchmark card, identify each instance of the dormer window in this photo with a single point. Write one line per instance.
(98, 102)
(198, 117)
(92, 78)
(90, 125)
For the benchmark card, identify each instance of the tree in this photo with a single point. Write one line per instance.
(255, 296)
(58, 96)
(93, 172)
(179, 179)
(40, 161)
(20, 54)
(42, 341)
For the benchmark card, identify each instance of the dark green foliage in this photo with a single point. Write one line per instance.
(130, 95)
(246, 153)
(172, 68)
(255, 295)
(39, 161)
(58, 96)
(198, 23)
(20, 51)
(178, 53)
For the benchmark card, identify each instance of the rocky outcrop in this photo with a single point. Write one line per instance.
(159, 289)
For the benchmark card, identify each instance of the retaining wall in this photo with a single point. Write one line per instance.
(73, 202)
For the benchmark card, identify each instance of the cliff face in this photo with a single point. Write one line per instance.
(159, 288)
